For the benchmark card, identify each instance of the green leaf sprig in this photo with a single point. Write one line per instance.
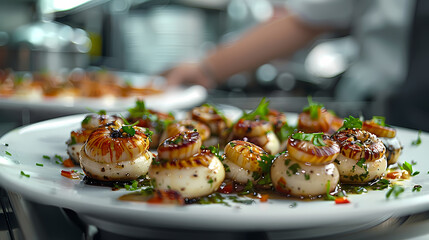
(395, 190)
(129, 128)
(328, 193)
(418, 141)
(409, 168)
(260, 112)
(315, 138)
(313, 108)
(350, 123)
(265, 164)
(285, 132)
(139, 110)
(379, 120)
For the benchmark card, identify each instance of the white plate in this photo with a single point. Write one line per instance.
(172, 98)
(28, 144)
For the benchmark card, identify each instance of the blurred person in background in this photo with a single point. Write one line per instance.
(390, 69)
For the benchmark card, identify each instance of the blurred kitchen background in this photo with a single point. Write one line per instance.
(149, 37)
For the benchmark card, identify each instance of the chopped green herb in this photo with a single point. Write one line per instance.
(266, 162)
(129, 128)
(287, 161)
(248, 189)
(350, 123)
(315, 138)
(46, 157)
(418, 141)
(72, 141)
(39, 164)
(238, 200)
(379, 120)
(149, 134)
(395, 190)
(380, 184)
(210, 181)
(215, 198)
(307, 176)
(417, 188)
(261, 111)
(60, 159)
(25, 175)
(215, 151)
(409, 168)
(8, 153)
(227, 169)
(361, 162)
(328, 192)
(134, 186)
(232, 144)
(86, 119)
(285, 131)
(294, 168)
(139, 110)
(7, 145)
(313, 108)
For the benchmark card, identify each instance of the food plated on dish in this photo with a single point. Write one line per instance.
(76, 84)
(280, 185)
(257, 155)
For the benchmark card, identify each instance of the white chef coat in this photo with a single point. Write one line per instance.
(381, 30)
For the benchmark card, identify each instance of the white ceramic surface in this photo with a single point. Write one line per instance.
(27, 145)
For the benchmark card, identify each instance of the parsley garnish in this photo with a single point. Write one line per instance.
(409, 168)
(361, 162)
(129, 128)
(380, 184)
(313, 108)
(247, 189)
(285, 131)
(139, 110)
(210, 181)
(149, 134)
(8, 153)
(328, 191)
(134, 186)
(379, 120)
(418, 141)
(261, 111)
(60, 159)
(294, 168)
(265, 164)
(46, 157)
(25, 175)
(395, 190)
(72, 141)
(39, 164)
(86, 119)
(215, 151)
(417, 188)
(315, 138)
(350, 123)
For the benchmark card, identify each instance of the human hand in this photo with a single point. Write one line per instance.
(193, 73)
